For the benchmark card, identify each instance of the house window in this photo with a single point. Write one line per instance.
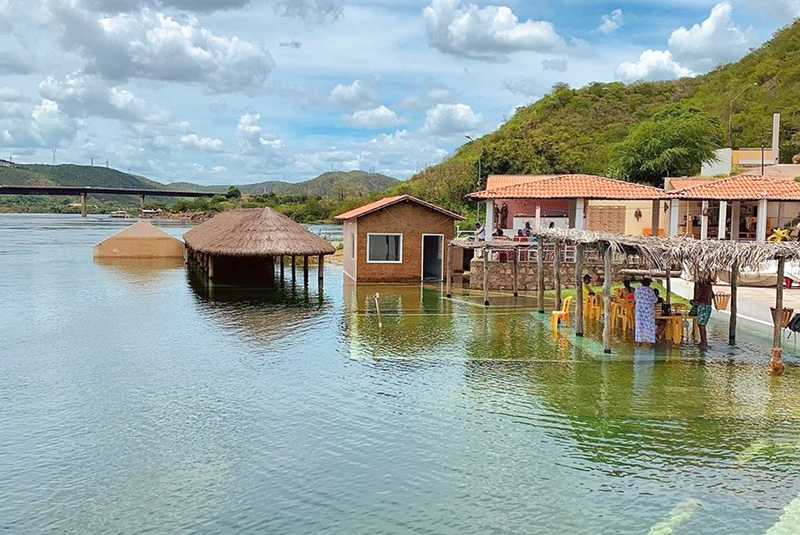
(384, 248)
(352, 245)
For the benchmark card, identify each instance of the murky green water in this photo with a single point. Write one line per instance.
(132, 403)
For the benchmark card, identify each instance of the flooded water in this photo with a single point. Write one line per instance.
(132, 402)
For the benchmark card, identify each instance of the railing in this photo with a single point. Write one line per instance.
(530, 255)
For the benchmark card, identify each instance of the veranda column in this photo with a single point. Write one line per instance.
(580, 214)
(723, 220)
(704, 221)
(515, 252)
(449, 274)
(674, 212)
(486, 276)
(656, 217)
(736, 214)
(489, 226)
(761, 224)
(579, 289)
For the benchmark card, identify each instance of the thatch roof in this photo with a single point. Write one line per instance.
(255, 232)
(663, 253)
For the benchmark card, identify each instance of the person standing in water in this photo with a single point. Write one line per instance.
(645, 313)
(703, 297)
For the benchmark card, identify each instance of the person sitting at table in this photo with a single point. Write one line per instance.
(645, 317)
(627, 291)
(587, 286)
(528, 229)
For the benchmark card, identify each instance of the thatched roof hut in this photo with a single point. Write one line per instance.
(240, 246)
(140, 240)
(255, 232)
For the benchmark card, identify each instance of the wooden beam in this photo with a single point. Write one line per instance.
(734, 302)
(449, 274)
(282, 260)
(579, 290)
(294, 270)
(669, 287)
(540, 275)
(557, 273)
(320, 269)
(736, 214)
(656, 217)
(778, 316)
(305, 270)
(515, 252)
(486, 276)
(607, 300)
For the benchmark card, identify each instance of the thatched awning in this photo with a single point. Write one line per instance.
(255, 232)
(663, 253)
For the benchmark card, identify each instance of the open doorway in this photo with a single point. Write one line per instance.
(432, 248)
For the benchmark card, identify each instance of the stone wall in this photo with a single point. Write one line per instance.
(501, 275)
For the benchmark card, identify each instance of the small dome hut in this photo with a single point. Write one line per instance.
(242, 246)
(140, 240)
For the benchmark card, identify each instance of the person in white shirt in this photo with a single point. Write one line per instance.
(480, 232)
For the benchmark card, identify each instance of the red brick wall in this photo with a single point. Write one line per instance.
(412, 221)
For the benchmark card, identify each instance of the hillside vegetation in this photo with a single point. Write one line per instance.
(583, 130)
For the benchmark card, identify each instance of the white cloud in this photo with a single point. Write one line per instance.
(151, 45)
(251, 135)
(50, 126)
(445, 120)
(82, 96)
(380, 117)
(356, 96)
(204, 144)
(652, 65)
(612, 22)
(488, 34)
(716, 40)
(307, 9)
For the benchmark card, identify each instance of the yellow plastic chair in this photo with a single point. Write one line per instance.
(562, 314)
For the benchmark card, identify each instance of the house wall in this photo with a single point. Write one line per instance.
(412, 221)
(501, 275)
(350, 235)
(632, 226)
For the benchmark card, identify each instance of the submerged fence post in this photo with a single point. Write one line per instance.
(607, 300)
(516, 272)
(486, 276)
(378, 308)
(557, 272)
(540, 274)
(776, 362)
(579, 289)
(734, 303)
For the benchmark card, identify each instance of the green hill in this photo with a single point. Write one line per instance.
(338, 185)
(580, 130)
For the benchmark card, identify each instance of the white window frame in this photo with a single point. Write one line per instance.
(371, 234)
(422, 256)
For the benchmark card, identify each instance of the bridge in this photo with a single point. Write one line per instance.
(84, 192)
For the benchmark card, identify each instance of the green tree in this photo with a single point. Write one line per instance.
(675, 142)
(234, 193)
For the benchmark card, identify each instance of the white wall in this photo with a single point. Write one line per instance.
(723, 165)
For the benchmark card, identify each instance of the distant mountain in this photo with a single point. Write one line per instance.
(333, 185)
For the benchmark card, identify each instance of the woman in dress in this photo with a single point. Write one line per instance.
(645, 317)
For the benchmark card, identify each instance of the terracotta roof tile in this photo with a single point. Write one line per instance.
(501, 181)
(574, 187)
(388, 201)
(743, 188)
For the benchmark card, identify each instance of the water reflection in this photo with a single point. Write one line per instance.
(140, 270)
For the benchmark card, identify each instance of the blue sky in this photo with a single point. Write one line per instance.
(238, 91)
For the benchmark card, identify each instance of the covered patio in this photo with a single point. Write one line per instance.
(582, 202)
(739, 208)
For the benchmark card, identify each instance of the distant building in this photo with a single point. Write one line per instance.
(6, 163)
(396, 239)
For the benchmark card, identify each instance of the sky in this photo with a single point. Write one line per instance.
(242, 91)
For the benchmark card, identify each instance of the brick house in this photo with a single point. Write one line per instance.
(396, 239)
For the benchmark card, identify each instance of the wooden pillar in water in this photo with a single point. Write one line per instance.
(557, 272)
(486, 276)
(294, 270)
(734, 302)
(540, 275)
(516, 271)
(305, 270)
(449, 274)
(320, 270)
(84, 208)
(579, 289)
(281, 260)
(669, 287)
(778, 316)
(609, 275)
